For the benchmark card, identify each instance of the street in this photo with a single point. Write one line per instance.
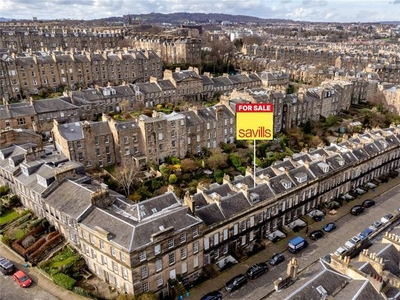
(347, 227)
(10, 290)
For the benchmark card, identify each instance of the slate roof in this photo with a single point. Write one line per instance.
(122, 126)
(206, 80)
(199, 200)
(122, 230)
(276, 183)
(300, 171)
(222, 190)
(71, 131)
(21, 110)
(81, 58)
(185, 74)
(239, 78)
(4, 113)
(179, 218)
(166, 84)
(390, 255)
(24, 61)
(157, 204)
(191, 118)
(263, 190)
(247, 180)
(359, 290)
(210, 214)
(305, 288)
(221, 81)
(52, 104)
(70, 198)
(74, 131)
(148, 87)
(124, 90)
(234, 204)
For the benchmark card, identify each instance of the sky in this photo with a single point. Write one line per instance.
(298, 10)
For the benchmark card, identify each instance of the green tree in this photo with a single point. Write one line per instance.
(331, 120)
(172, 179)
(235, 160)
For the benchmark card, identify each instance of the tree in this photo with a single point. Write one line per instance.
(172, 179)
(218, 161)
(188, 165)
(331, 120)
(127, 175)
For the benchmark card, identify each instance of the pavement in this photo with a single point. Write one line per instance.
(218, 282)
(38, 276)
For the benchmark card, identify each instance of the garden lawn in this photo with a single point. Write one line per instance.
(9, 217)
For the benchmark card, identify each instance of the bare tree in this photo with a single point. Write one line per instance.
(127, 175)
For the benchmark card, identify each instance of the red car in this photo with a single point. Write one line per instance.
(22, 279)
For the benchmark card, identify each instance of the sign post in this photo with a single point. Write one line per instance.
(254, 121)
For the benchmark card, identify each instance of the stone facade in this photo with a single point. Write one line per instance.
(138, 247)
(27, 75)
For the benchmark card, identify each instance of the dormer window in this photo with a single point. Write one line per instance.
(301, 177)
(286, 183)
(24, 170)
(383, 143)
(324, 167)
(341, 162)
(254, 197)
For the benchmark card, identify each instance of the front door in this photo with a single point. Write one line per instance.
(172, 274)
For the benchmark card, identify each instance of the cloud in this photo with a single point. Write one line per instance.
(315, 3)
(301, 10)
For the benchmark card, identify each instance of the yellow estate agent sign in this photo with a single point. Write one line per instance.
(254, 121)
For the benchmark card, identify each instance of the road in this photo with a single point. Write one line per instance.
(347, 227)
(10, 290)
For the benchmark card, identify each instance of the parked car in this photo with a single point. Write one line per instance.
(368, 203)
(6, 266)
(340, 250)
(366, 232)
(215, 295)
(360, 191)
(356, 210)
(276, 259)
(256, 270)
(376, 225)
(383, 178)
(329, 227)
(236, 283)
(374, 181)
(318, 218)
(316, 234)
(371, 185)
(386, 218)
(22, 279)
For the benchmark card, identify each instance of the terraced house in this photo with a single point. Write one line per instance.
(140, 247)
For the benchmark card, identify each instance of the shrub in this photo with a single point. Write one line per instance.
(4, 190)
(64, 281)
(172, 179)
(80, 291)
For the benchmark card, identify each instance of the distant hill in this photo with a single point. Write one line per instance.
(4, 19)
(182, 17)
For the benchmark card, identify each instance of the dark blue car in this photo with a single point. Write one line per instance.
(215, 295)
(329, 227)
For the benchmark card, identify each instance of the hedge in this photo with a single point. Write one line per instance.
(64, 281)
